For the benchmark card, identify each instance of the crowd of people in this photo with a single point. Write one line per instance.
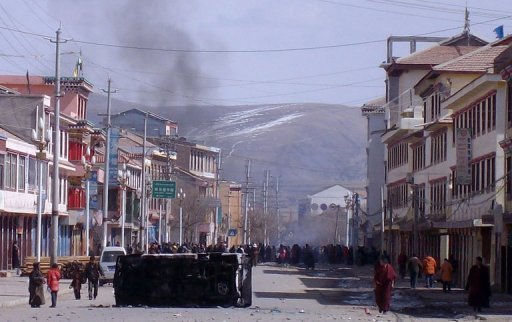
(477, 285)
(79, 275)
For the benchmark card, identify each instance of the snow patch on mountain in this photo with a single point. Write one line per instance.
(264, 127)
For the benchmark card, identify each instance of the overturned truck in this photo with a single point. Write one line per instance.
(183, 280)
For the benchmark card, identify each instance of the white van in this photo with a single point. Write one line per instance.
(108, 261)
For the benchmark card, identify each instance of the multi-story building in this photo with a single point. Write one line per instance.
(194, 167)
(448, 173)
(404, 151)
(232, 218)
(199, 164)
(463, 95)
(28, 101)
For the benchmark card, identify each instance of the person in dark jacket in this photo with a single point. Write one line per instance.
(414, 267)
(92, 273)
(16, 257)
(77, 279)
(35, 286)
(478, 285)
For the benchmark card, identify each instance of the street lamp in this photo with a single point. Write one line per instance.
(123, 175)
(88, 162)
(41, 139)
(148, 189)
(181, 197)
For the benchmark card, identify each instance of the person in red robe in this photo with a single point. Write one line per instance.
(384, 280)
(478, 285)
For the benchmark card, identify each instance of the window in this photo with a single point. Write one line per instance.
(76, 198)
(480, 117)
(434, 106)
(438, 196)
(438, 147)
(398, 195)
(483, 172)
(76, 150)
(418, 157)
(45, 175)
(10, 171)
(397, 155)
(421, 199)
(32, 174)
(2, 169)
(82, 108)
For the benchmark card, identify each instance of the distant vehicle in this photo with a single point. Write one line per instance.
(183, 280)
(108, 261)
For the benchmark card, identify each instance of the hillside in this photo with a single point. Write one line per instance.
(310, 146)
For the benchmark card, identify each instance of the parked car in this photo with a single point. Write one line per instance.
(108, 261)
(183, 279)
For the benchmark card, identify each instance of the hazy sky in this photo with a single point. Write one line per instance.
(231, 75)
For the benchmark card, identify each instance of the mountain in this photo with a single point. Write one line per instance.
(309, 146)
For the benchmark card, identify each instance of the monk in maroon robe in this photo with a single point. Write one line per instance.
(479, 285)
(384, 280)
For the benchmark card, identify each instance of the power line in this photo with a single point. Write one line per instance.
(264, 50)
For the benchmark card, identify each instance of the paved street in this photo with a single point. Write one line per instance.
(280, 294)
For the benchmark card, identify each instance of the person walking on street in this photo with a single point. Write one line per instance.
(35, 286)
(446, 275)
(478, 285)
(384, 280)
(414, 267)
(16, 257)
(76, 280)
(52, 279)
(92, 272)
(429, 266)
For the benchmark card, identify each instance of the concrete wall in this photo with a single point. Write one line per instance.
(375, 165)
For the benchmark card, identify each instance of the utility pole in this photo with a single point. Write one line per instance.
(390, 240)
(106, 178)
(265, 206)
(278, 212)
(229, 214)
(144, 221)
(383, 219)
(168, 201)
(217, 208)
(54, 233)
(253, 210)
(356, 221)
(246, 212)
(415, 203)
